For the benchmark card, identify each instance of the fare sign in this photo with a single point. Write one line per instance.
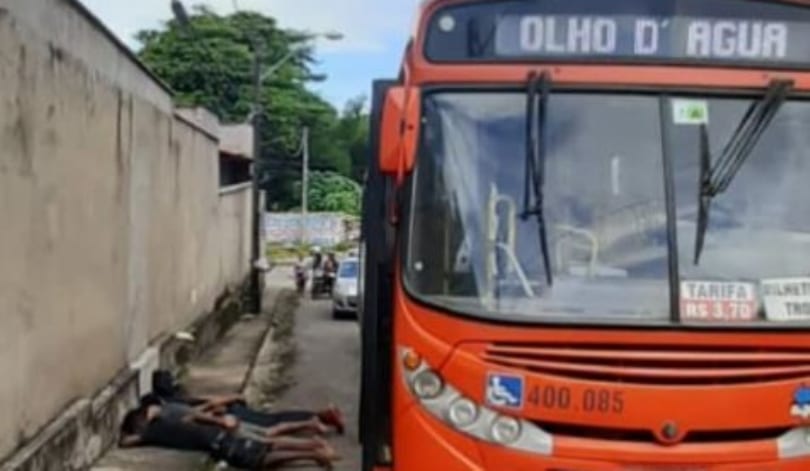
(716, 301)
(787, 299)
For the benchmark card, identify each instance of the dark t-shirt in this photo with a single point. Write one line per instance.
(175, 411)
(182, 436)
(190, 401)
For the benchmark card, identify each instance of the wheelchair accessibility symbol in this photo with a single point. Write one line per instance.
(800, 408)
(504, 391)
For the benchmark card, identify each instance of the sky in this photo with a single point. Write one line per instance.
(375, 33)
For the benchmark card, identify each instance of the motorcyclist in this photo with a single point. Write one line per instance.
(316, 266)
(317, 258)
(330, 269)
(300, 275)
(331, 262)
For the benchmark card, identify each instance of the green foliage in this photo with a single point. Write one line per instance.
(344, 247)
(210, 63)
(354, 129)
(331, 192)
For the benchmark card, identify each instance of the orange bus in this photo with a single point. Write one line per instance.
(586, 239)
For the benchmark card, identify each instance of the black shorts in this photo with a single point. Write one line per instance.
(242, 453)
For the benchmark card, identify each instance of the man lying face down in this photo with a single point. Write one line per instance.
(170, 392)
(154, 425)
(205, 415)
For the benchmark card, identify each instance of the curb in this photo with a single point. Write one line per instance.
(265, 364)
(267, 337)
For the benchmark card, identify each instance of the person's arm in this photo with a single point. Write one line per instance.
(129, 441)
(229, 399)
(215, 409)
(222, 401)
(226, 422)
(215, 401)
(312, 426)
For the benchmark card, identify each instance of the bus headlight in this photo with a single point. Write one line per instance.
(794, 443)
(427, 385)
(463, 413)
(505, 430)
(444, 402)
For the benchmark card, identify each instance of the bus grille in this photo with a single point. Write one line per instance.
(654, 364)
(647, 436)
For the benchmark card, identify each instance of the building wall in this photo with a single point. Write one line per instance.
(113, 231)
(235, 214)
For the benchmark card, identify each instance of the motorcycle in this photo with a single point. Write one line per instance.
(323, 282)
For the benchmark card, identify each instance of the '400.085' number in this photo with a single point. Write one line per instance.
(602, 401)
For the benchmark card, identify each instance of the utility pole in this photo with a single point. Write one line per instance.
(256, 290)
(305, 186)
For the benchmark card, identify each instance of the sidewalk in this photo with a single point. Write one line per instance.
(224, 369)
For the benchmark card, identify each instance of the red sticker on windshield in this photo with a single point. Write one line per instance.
(717, 301)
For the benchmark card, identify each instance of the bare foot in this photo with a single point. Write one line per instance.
(322, 429)
(326, 456)
(323, 444)
(333, 417)
(319, 427)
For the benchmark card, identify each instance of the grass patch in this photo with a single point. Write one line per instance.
(344, 247)
(277, 252)
(286, 252)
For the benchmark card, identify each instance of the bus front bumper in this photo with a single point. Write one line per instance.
(426, 444)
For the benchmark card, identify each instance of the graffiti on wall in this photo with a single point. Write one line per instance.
(326, 229)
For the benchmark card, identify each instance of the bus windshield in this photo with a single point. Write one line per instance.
(472, 250)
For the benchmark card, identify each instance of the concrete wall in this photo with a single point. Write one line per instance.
(237, 139)
(235, 216)
(325, 229)
(113, 231)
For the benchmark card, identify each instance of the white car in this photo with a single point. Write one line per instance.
(344, 295)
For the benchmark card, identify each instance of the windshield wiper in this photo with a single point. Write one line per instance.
(716, 180)
(533, 194)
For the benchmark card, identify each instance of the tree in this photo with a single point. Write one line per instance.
(210, 64)
(331, 192)
(354, 130)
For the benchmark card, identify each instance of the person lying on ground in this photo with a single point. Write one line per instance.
(147, 426)
(177, 411)
(166, 388)
(330, 417)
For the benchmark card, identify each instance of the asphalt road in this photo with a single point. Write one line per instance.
(327, 370)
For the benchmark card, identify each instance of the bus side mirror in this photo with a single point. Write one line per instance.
(400, 130)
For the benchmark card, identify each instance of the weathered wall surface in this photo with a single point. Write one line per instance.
(326, 229)
(235, 214)
(112, 228)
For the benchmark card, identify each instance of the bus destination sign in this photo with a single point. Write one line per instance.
(738, 32)
(626, 36)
